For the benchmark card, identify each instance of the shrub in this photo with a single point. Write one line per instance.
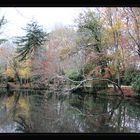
(74, 75)
(129, 75)
(88, 67)
(136, 83)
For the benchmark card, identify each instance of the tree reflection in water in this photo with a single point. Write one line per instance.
(45, 112)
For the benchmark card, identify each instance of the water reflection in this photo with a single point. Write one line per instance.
(42, 111)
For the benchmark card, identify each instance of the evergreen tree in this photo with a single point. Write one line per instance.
(32, 42)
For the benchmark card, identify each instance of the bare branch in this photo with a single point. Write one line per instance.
(82, 82)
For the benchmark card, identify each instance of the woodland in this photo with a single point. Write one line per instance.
(100, 53)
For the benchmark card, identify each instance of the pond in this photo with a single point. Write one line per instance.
(25, 111)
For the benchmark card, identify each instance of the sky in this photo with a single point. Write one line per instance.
(49, 17)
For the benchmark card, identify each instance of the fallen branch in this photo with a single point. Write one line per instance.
(82, 82)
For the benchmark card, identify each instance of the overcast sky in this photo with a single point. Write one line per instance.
(18, 17)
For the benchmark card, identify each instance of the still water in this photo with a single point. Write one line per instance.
(26, 111)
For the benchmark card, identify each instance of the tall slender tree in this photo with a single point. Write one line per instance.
(30, 44)
(92, 31)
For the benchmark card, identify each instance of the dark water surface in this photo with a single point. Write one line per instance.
(43, 112)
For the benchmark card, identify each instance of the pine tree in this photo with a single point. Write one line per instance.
(32, 42)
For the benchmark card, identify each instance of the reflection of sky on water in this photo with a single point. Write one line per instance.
(9, 128)
(50, 113)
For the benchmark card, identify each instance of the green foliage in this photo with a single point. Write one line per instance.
(88, 67)
(31, 42)
(129, 75)
(92, 34)
(91, 28)
(74, 75)
(136, 83)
